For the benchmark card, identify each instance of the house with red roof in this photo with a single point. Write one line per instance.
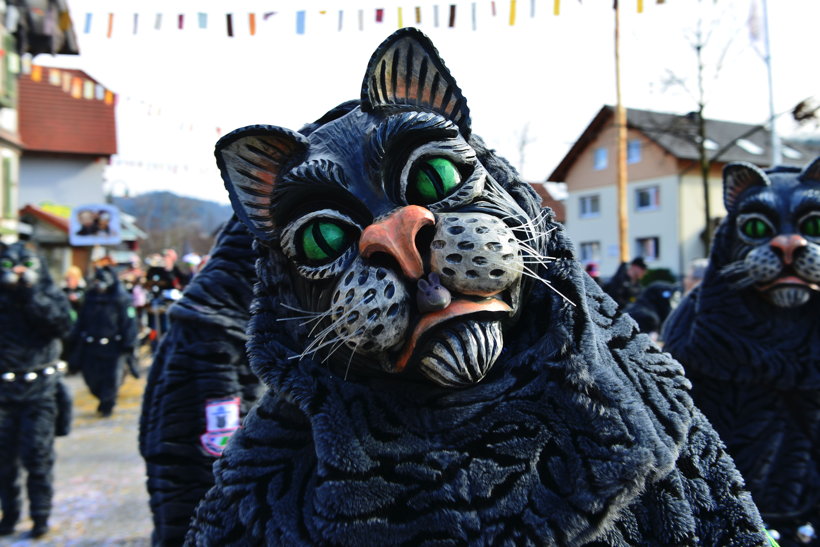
(68, 133)
(26, 27)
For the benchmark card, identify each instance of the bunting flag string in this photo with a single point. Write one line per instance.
(479, 10)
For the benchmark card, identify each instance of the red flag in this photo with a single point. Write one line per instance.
(379, 15)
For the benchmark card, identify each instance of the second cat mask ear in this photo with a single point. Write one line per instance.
(251, 160)
(407, 70)
(737, 177)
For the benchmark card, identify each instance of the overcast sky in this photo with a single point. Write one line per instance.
(540, 80)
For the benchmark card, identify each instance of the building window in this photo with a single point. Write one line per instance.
(590, 206)
(647, 199)
(633, 151)
(600, 159)
(590, 251)
(649, 248)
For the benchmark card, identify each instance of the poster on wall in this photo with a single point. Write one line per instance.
(94, 224)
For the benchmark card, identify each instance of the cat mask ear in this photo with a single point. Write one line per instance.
(812, 171)
(407, 70)
(251, 160)
(739, 176)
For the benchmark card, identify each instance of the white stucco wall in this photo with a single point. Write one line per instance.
(692, 212)
(661, 223)
(64, 181)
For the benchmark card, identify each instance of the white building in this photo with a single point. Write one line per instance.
(665, 196)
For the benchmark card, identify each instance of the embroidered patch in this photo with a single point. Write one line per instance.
(215, 443)
(221, 421)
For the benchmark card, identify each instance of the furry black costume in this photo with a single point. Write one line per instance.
(749, 337)
(482, 406)
(34, 404)
(103, 338)
(653, 306)
(201, 358)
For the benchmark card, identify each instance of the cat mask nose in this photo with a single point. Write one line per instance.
(395, 235)
(787, 245)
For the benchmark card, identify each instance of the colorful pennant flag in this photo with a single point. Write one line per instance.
(300, 22)
(640, 6)
(203, 19)
(76, 87)
(452, 21)
(252, 23)
(87, 26)
(36, 73)
(401, 19)
(109, 97)
(512, 12)
(180, 21)
(88, 89)
(158, 21)
(379, 15)
(556, 7)
(229, 22)
(110, 25)
(54, 76)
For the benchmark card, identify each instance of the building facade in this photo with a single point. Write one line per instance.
(665, 191)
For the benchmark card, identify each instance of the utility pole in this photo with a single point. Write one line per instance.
(777, 157)
(620, 124)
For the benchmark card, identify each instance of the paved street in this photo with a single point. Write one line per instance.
(100, 496)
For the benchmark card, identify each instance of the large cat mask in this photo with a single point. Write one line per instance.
(393, 243)
(773, 232)
(408, 256)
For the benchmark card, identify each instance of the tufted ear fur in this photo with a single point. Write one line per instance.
(812, 171)
(251, 160)
(739, 176)
(407, 70)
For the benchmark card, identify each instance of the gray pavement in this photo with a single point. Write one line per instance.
(99, 491)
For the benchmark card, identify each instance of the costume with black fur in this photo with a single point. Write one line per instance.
(103, 339)
(34, 404)
(578, 430)
(201, 358)
(755, 365)
(653, 305)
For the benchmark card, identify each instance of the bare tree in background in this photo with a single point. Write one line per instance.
(524, 141)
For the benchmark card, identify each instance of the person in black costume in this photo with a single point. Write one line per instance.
(422, 389)
(653, 306)
(749, 337)
(625, 286)
(200, 366)
(34, 404)
(103, 339)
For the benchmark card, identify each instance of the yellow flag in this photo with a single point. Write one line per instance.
(640, 6)
(556, 7)
(36, 73)
(401, 19)
(512, 12)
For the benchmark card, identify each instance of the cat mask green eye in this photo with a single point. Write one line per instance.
(810, 225)
(323, 240)
(756, 228)
(433, 179)
(6, 264)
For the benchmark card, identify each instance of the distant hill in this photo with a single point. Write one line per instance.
(171, 221)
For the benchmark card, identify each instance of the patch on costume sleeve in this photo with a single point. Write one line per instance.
(221, 421)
